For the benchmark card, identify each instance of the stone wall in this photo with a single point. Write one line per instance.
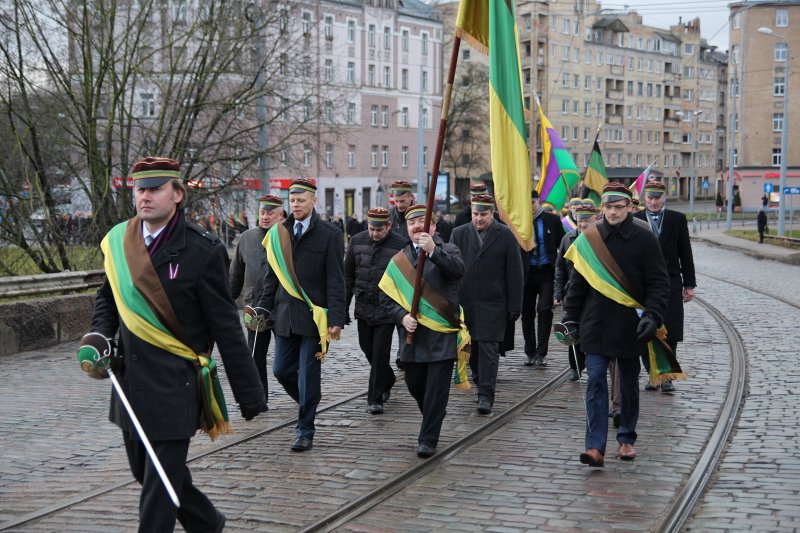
(33, 324)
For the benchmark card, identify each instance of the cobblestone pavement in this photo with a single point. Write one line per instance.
(524, 477)
(757, 487)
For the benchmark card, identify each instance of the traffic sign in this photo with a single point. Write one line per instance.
(768, 187)
(791, 190)
(706, 185)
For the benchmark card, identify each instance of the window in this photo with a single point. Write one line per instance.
(688, 49)
(575, 133)
(630, 88)
(598, 109)
(779, 86)
(329, 155)
(688, 72)
(424, 44)
(565, 80)
(404, 79)
(387, 38)
(284, 157)
(351, 72)
(735, 51)
(148, 105)
(404, 117)
(737, 21)
(649, 89)
(404, 156)
(575, 105)
(565, 25)
(587, 109)
(329, 112)
(776, 157)
(777, 122)
(587, 83)
(565, 54)
(306, 66)
(565, 133)
(351, 31)
(424, 156)
(328, 72)
(465, 54)
(586, 135)
(564, 106)
(351, 156)
(306, 155)
(424, 80)
(576, 81)
(374, 156)
(639, 88)
(387, 76)
(424, 117)
(465, 81)
(371, 75)
(404, 40)
(465, 159)
(781, 18)
(329, 27)
(638, 136)
(373, 116)
(351, 112)
(371, 36)
(384, 156)
(385, 116)
(780, 52)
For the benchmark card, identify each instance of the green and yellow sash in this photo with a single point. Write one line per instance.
(434, 312)
(145, 311)
(595, 263)
(278, 243)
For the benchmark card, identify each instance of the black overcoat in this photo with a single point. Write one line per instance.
(492, 282)
(564, 267)
(161, 387)
(364, 265)
(319, 264)
(442, 271)
(676, 248)
(606, 327)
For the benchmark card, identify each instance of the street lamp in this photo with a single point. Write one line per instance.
(694, 145)
(784, 133)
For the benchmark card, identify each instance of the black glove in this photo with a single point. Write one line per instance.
(249, 412)
(513, 315)
(646, 329)
(347, 320)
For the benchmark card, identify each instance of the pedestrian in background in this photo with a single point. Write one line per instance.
(248, 269)
(368, 254)
(761, 222)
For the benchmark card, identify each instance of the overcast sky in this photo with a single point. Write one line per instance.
(713, 15)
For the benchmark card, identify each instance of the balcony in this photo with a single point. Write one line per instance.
(614, 95)
(614, 119)
(670, 122)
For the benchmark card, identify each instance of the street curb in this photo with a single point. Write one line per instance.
(791, 259)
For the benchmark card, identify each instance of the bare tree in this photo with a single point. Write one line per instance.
(90, 86)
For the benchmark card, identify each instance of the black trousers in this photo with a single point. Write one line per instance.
(429, 384)
(574, 355)
(483, 361)
(260, 355)
(156, 511)
(537, 303)
(376, 343)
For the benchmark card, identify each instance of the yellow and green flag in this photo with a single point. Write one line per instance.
(595, 177)
(491, 25)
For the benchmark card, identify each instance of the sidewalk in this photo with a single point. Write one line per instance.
(761, 251)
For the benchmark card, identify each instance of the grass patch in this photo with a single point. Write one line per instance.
(15, 262)
(752, 235)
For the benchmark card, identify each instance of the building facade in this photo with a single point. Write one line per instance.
(758, 63)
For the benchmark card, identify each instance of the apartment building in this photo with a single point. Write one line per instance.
(655, 95)
(759, 62)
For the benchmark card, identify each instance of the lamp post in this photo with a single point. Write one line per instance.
(694, 145)
(784, 133)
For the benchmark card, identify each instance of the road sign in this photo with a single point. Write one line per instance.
(706, 185)
(791, 190)
(768, 188)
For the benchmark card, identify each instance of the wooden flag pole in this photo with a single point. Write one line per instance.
(451, 75)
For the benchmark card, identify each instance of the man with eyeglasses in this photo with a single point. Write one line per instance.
(615, 302)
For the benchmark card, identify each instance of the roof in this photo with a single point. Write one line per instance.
(666, 36)
(611, 23)
(415, 8)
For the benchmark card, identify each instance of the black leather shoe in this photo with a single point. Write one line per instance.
(376, 409)
(425, 451)
(617, 418)
(667, 386)
(542, 360)
(302, 444)
(574, 376)
(531, 360)
(484, 407)
(265, 408)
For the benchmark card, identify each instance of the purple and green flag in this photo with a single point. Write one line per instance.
(559, 173)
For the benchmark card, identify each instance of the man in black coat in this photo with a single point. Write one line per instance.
(428, 362)
(672, 231)
(317, 256)
(539, 265)
(181, 271)
(584, 216)
(364, 264)
(608, 329)
(248, 269)
(490, 290)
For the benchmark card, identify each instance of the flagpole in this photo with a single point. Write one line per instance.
(451, 75)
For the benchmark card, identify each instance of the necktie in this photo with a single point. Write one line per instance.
(148, 240)
(298, 231)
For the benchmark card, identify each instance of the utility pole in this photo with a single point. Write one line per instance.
(733, 125)
(421, 181)
(253, 15)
